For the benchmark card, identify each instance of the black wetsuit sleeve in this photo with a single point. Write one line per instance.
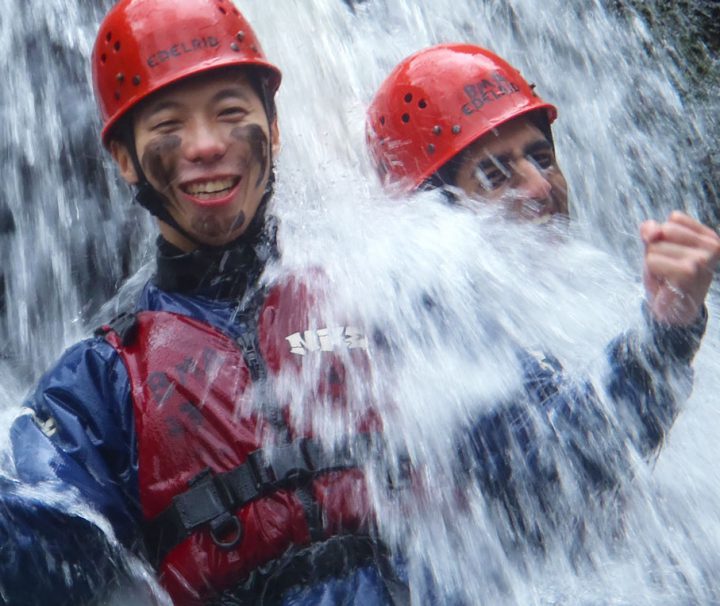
(560, 437)
(651, 377)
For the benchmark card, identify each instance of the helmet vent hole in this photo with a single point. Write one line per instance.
(235, 46)
(382, 120)
(456, 129)
(116, 46)
(103, 58)
(408, 98)
(422, 104)
(431, 148)
(117, 95)
(240, 36)
(222, 10)
(108, 37)
(437, 129)
(406, 118)
(137, 80)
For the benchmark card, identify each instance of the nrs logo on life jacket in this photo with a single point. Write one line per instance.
(326, 339)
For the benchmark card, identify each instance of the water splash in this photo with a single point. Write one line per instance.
(629, 145)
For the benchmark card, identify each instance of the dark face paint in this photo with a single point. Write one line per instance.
(239, 220)
(255, 138)
(160, 160)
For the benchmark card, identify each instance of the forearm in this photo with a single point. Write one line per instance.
(67, 519)
(49, 554)
(651, 376)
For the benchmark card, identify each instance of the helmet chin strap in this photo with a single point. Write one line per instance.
(156, 204)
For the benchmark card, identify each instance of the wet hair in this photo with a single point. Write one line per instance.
(446, 175)
(258, 79)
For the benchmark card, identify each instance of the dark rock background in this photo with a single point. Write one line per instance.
(688, 31)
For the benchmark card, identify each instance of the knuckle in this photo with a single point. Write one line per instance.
(700, 265)
(715, 248)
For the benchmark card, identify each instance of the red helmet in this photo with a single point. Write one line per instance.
(437, 102)
(144, 45)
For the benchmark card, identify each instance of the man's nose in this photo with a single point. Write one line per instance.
(532, 180)
(204, 144)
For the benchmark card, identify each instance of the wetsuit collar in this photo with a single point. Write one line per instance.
(220, 273)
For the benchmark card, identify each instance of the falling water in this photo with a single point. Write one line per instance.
(634, 142)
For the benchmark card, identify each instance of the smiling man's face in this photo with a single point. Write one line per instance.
(205, 144)
(515, 166)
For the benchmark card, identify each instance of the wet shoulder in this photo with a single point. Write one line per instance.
(90, 371)
(217, 313)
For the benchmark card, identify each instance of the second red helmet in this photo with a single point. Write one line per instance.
(437, 102)
(145, 45)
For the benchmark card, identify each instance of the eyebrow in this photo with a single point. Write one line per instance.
(160, 106)
(536, 146)
(497, 161)
(494, 162)
(221, 95)
(226, 93)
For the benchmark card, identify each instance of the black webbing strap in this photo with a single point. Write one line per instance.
(212, 499)
(125, 325)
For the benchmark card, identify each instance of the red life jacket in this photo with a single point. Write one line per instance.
(200, 429)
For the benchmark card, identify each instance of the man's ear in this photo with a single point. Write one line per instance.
(275, 138)
(123, 159)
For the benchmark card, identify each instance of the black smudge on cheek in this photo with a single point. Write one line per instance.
(160, 159)
(238, 222)
(256, 139)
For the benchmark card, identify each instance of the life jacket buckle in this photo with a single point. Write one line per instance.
(206, 502)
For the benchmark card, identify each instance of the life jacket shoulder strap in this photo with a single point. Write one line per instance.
(124, 326)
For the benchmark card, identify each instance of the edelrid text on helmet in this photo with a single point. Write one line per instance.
(145, 45)
(437, 102)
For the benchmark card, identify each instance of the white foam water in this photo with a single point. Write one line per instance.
(444, 294)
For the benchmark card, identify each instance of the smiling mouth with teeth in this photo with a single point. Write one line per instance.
(208, 190)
